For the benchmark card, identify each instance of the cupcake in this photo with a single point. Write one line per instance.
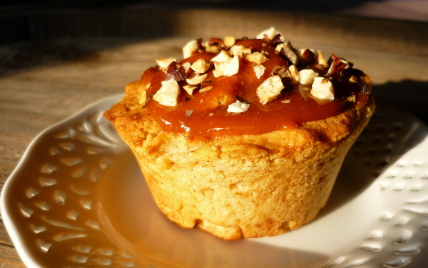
(243, 137)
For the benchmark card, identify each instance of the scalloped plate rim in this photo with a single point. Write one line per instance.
(12, 231)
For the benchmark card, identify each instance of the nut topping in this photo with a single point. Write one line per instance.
(205, 89)
(270, 33)
(307, 76)
(281, 71)
(229, 41)
(227, 68)
(239, 50)
(189, 89)
(168, 94)
(277, 39)
(353, 79)
(320, 59)
(190, 48)
(288, 53)
(270, 89)
(221, 57)
(200, 66)
(337, 65)
(174, 71)
(163, 63)
(238, 107)
(231, 67)
(305, 55)
(281, 74)
(196, 80)
(186, 66)
(256, 57)
(322, 88)
(211, 49)
(294, 74)
(259, 70)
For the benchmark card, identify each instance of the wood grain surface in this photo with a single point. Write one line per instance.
(63, 66)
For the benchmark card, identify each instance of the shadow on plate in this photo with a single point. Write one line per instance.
(388, 136)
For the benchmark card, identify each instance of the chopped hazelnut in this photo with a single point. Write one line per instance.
(175, 71)
(218, 69)
(168, 93)
(270, 89)
(351, 98)
(239, 50)
(277, 39)
(231, 66)
(353, 79)
(320, 59)
(189, 113)
(294, 74)
(211, 48)
(307, 76)
(163, 63)
(238, 107)
(227, 68)
(200, 66)
(285, 101)
(281, 71)
(215, 42)
(196, 80)
(229, 41)
(337, 65)
(305, 55)
(322, 88)
(259, 70)
(270, 33)
(186, 66)
(256, 57)
(205, 89)
(189, 89)
(367, 84)
(287, 51)
(189, 48)
(221, 57)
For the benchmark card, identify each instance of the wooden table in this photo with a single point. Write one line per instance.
(71, 59)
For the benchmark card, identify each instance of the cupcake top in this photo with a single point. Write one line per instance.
(244, 86)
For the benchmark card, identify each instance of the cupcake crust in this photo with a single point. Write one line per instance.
(243, 185)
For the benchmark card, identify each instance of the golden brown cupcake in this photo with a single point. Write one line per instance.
(244, 137)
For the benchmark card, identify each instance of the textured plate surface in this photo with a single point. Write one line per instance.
(78, 199)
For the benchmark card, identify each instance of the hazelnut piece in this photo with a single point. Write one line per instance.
(229, 41)
(190, 48)
(270, 89)
(259, 70)
(221, 57)
(307, 76)
(239, 50)
(196, 80)
(322, 88)
(200, 66)
(163, 63)
(256, 57)
(168, 93)
(238, 107)
(270, 33)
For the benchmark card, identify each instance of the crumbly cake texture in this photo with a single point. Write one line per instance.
(239, 186)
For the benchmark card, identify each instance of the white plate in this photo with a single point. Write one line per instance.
(78, 199)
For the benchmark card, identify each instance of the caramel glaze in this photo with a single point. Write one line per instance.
(209, 117)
